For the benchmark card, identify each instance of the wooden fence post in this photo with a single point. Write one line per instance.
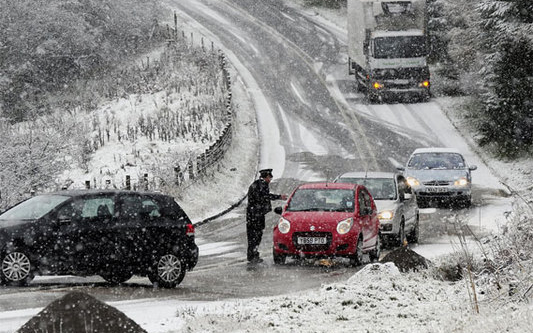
(178, 175)
(175, 25)
(190, 168)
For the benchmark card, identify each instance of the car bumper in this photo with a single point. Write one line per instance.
(191, 256)
(389, 227)
(448, 193)
(401, 93)
(335, 244)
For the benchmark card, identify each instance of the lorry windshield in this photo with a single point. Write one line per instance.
(400, 47)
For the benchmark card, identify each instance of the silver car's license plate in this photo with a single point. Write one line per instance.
(437, 189)
(311, 240)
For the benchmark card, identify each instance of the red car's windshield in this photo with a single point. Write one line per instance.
(338, 200)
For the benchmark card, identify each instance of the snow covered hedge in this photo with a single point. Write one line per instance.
(48, 46)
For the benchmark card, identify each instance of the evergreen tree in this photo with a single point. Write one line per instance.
(507, 119)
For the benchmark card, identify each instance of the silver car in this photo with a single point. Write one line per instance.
(397, 209)
(439, 175)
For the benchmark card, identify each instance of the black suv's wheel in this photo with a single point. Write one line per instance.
(16, 268)
(116, 277)
(168, 271)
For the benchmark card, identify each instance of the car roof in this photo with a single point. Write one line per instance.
(82, 192)
(435, 150)
(334, 186)
(371, 174)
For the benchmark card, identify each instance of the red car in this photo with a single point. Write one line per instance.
(328, 220)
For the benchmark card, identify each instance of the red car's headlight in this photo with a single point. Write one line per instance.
(344, 226)
(284, 226)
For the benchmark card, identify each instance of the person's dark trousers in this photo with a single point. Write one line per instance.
(254, 232)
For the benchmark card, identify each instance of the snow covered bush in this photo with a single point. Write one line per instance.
(507, 269)
(47, 46)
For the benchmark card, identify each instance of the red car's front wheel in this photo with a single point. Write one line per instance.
(357, 258)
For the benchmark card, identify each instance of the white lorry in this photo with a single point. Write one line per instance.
(387, 48)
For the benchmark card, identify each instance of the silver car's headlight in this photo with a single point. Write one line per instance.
(461, 182)
(386, 215)
(412, 181)
(284, 226)
(344, 226)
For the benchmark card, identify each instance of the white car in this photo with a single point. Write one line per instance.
(397, 209)
(439, 175)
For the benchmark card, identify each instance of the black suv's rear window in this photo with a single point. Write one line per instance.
(136, 205)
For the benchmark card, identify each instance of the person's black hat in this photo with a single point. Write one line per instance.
(265, 173)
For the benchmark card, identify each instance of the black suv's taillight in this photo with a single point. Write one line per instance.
(190, 229)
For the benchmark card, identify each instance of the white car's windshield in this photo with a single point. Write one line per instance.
(338, 200)
(441, 161)
(33, 208)
(379, 188)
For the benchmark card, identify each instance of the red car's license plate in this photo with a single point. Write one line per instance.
(311, 240)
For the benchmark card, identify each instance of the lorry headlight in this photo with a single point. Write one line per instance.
(377, 85)
(344, 226)
(386, 215)
(284, 226)
(461, 182)
(424, 84)
(413, 182)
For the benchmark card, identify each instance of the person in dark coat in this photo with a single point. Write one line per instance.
(259, 205)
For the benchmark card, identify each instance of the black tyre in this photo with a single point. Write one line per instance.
(373, 98)
(357, 258)
(464, 202)
(425, 97)
(359, 85)
(376, 252)
(415, 233)
(422, 203)
(16, 268)
(168, 271)
(401, 238)
(279, 259)
(116, 277)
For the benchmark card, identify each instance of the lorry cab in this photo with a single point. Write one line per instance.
(387, 47)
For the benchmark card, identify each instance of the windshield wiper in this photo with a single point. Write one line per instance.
(306, 210)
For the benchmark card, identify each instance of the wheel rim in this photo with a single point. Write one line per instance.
(169, 268)
(16, 266)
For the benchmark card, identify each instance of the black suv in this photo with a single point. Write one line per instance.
(114, 234)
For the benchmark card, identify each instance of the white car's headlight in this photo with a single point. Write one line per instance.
(344, 226)
(412, 181)
(386, 215)
(284, 226)
(461, 182)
